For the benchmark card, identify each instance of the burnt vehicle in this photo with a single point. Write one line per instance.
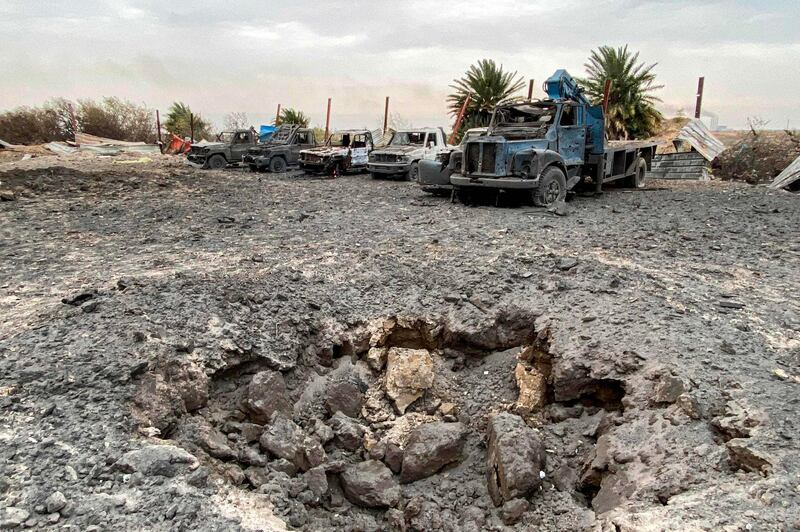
(401, 156)
(230, 148)
(549, 146)
(344, 152)
(434, 175)
(282, 150)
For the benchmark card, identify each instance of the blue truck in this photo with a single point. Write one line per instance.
(548, 147)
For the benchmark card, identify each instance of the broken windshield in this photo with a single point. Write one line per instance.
(226, 137)
(525, 115)
(523, 120)
(348, 139)
(405, 138)
(471, 134)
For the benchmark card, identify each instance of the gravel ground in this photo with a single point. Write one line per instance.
(669, 317)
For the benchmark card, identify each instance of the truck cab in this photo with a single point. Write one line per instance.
(229, 148)
(344, 152)
(282, 150)
(406, 148)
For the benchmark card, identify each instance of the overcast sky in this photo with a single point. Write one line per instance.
(249, 56)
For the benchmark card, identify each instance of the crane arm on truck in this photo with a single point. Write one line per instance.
(562, 86)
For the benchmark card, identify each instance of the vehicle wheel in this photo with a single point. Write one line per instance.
(277, 165)
(413, 172)
(552, 187)
(253, 168)
(217, 162)
(637, 179)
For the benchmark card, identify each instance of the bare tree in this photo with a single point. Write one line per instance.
(237, 120)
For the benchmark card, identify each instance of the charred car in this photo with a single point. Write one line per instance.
(282, 150)
(344, 152)
(434, 175)
(406, 148)
(230, 148)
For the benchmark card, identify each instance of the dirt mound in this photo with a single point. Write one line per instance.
(758, 158)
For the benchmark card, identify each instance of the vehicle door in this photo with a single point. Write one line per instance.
(572, 134)
(242, 140)
(360, 146)
(303, 140)
(432, 146)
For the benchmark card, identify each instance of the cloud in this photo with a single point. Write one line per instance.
(296, 35)
(300, 52)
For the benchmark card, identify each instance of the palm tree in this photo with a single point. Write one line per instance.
(180, 120)
(631, 105)
(489, 85)
(293, 116)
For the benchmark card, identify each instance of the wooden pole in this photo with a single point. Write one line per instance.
(530, 90)
(460, 117)
(698, 106)
(278, 116)
(606, 96)
(74, 123)
(386, 115)
(191, 127)
(158, 126)
(327, 119)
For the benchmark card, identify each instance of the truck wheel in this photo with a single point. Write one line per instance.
(637, 179)
(413, 172)
(253, 168)
(217, 162)
(552, 187)
(277, 165)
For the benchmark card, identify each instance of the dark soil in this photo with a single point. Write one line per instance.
(137, 303)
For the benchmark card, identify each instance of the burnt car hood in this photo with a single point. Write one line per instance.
(325, 151)
(400, 150)
(211, 145)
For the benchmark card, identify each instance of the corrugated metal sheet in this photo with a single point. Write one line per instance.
(699, 137)
(381, 139)
(85, 138)
(789, 175)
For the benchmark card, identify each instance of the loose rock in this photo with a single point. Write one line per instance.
(348, 433)
(345, 397)
(370, 484)
(515, 458)
(409, 372)
(55, 502)
(283, 438)
(266, 394)
(163, 460)
(431, 447)
(513, 510)
(532, 386)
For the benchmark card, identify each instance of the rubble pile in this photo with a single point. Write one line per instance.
(386, 428)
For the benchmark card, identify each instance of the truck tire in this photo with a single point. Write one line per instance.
(217, 162)
(413, 172)
(637, 179)
(277, 165)
(253, 168)
(552, 187)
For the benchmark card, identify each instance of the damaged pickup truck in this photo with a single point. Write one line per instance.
(434, 175)
(282, 150)
(230, 147)
(405, 149)
(344, 152)
(547, 147)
